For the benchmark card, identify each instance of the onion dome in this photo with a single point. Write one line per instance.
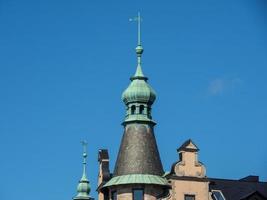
(83, 189)
(139, 90)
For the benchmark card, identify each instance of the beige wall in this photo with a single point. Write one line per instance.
(182, 187)
(188, 164)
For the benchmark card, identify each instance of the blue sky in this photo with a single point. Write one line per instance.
(65, 64)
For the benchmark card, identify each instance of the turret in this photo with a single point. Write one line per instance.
(138, 172)
(139, 96)
(83, 188)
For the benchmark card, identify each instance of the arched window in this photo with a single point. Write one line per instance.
(141, 109)
(133, 108)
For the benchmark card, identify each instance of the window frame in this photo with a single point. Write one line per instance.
(141, 109)
(189, 195)
(143, 196)
(133, 109)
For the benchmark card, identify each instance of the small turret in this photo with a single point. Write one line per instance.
(83, 188)
(139, 96)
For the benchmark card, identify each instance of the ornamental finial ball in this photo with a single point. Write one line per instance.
(139, 50)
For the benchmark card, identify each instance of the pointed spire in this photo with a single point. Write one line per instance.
(83, 189)
(139, 50)
(139, 72)
(84, 143)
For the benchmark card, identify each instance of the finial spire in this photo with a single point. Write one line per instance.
(84, 144)
(83, 188)
(139, 49)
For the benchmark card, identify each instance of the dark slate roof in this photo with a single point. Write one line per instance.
(254, 195)
(238, 189)
(138, 152)
(184, 146)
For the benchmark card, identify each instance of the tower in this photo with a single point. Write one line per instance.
(83, 188)
(138, 172)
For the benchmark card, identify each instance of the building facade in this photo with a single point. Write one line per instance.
(138, 173)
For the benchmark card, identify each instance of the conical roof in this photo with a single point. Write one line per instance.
(138, 152)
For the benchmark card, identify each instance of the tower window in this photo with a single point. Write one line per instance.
(189, 197)
(138, 194)
(114, 195)
(149, 111)
(142, 108)
(133, 108)
(180, 156)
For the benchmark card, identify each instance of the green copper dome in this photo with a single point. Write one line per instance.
(139, 90)
(83, 188)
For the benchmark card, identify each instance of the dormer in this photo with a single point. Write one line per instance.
(188, 164)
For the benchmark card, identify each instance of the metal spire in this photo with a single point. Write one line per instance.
(139, 49)
(83, 189)
(84, 144)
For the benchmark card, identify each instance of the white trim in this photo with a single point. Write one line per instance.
(219, 192)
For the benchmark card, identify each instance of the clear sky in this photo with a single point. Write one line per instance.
(64, 65)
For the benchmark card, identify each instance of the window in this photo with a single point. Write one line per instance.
(181, 156)
(149, 111)
(133, 108)
(138, 194)
(114, 195)
(189, 197)
(141, 111)
(217, 195)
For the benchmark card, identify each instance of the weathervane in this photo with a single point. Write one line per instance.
(138, 19)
